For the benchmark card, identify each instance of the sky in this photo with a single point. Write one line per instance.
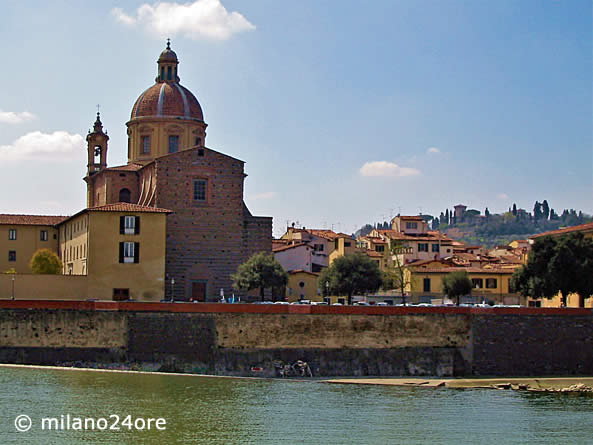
(345, 112)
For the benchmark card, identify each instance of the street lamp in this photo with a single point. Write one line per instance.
(13, 278)
(172, 290)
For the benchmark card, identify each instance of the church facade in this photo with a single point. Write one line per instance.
(210, 230)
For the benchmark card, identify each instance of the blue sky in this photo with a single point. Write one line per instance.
(345, 112)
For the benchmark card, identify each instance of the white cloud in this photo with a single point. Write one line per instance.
(265, 195)
(387, 169)
(198, 20)
(15, 117)
(433, 150)
(58, 146)
(502, 196)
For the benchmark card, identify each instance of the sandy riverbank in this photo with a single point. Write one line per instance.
(566, 384)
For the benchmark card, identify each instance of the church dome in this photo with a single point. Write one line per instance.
(167, 98)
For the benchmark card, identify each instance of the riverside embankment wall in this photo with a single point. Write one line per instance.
(242, 339)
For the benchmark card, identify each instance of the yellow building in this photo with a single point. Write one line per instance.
(22, 235)
(489, 283)
(120, 247)
(302, 285)
(343, 245)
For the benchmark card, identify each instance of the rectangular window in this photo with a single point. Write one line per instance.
(411, 225)
(347, 243)
(435, 248)
(427, 285)
(173, 144)
(145, 144)
(422, 247)
(380, 248)
(341, 301)
(477, 283)
(12, 255)
(200, 187)
(129, 252)
(12, 234)
(491, 283)
(129, 225)
(327, 300)
(43, 235)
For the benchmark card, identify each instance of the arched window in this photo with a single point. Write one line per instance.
(125, 195)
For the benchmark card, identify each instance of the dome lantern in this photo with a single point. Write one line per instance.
(167, 65)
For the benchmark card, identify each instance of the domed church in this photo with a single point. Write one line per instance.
(210, 231)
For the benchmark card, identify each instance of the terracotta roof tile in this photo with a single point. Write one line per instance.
(292, 272)
(580, 228)
(127, 207)
(32, 220)
(127, 167)
(290, 246)
(430, 236)
(411, 218)
(481, 270)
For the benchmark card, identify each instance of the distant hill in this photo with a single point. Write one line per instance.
(477, 228)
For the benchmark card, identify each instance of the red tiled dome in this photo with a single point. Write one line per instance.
(167, 99)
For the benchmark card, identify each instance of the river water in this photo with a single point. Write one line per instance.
(213, 410)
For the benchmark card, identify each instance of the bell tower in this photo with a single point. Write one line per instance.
(96, 148)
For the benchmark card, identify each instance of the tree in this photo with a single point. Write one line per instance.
(456, 284)
(350, 274)
(537, 211)
(514, 209)
(435, 224)
(545, 209)
(486, 212)
(261, 271)
(447, 220)
(395, 277)
(557, 265)
(46, 261)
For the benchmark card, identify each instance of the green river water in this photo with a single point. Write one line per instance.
(211, 410)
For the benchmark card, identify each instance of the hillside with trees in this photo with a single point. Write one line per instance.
(491, 229)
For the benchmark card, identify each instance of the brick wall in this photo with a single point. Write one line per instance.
(206, 241)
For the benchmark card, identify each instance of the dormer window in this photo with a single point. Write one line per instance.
(411, 225)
